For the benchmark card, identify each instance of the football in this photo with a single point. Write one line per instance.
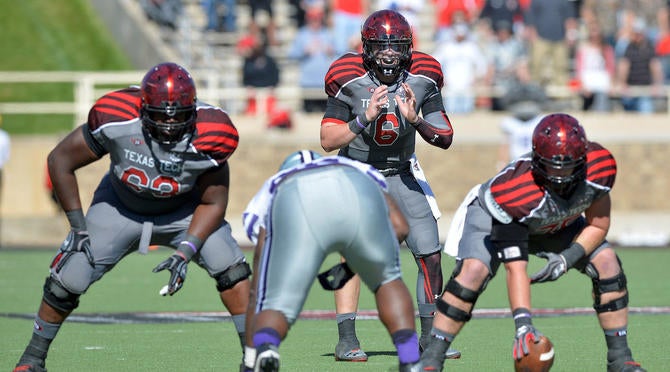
(540, 357)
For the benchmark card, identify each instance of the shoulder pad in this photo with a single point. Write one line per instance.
(425, 65)
(600, 165)
(216, 134)
(343, 70)
(120, 105)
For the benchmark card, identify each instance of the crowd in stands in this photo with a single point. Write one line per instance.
(610, 54)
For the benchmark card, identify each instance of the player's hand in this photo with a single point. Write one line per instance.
(406, 102)
(555, 267)
(178, 266)
(75, 242)
(378, 102)
(524, 335)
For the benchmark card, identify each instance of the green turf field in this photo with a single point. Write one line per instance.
(213, 345)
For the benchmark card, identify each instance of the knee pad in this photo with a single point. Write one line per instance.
(58, 297)
(462, 293)
(431, 267)
(232, 275)
(600, 286)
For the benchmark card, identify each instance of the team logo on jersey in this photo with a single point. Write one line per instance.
(136, 141)
(171, 167)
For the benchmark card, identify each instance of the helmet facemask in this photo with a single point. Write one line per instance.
(387, 44)
(387, 58)
(562, 176)
(168, 124)
(168, 103)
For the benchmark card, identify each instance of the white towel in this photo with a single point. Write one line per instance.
(421, 179)
(458, 222)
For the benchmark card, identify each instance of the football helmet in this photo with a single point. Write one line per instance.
(168, 103)
(387, 44)
(299, 157)
(559, 154)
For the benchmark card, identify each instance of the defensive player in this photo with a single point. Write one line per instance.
(372, 116)
(167, 184)
(554, 203)
(314, 207)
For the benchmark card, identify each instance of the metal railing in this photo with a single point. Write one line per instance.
(89, 86)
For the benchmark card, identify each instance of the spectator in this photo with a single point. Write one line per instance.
(495, 11)
(313, 49)
(605, 13)
(507, 64)
(262, 18)
(551, 27)
(163, 12)
(259, 70)
(463, 65)
(448, 12)
(595, 67)
(639, 73)
(221, 15)
(347, 17)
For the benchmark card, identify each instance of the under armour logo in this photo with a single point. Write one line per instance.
(434, 138)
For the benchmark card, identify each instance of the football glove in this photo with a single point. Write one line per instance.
(555, 267)
(558, 264)
(75, 242)
(524, 335)
(177, 264)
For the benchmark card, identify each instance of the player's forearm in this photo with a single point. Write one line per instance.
(441, 138)
(518, 284)
(335, 136)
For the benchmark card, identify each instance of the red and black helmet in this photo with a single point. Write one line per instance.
(168, 103)
(386, 30)
(559, 153)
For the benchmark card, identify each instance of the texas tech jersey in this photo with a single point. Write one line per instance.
(389, 139)
(513, 194)
(149, 177)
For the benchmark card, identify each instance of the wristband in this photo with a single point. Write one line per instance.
(189, 246)
(573, 254)
(522, 317)
(76, 219)
(356, 126)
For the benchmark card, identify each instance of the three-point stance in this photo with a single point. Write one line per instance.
(554, 203)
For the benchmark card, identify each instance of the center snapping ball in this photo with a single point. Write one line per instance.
(540, 357)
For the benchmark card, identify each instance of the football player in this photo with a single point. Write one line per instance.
(372, 115)
(554, 202)
(167, 184)
(312, 207)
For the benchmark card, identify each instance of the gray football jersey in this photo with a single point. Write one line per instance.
(390, 138)
(149, 177)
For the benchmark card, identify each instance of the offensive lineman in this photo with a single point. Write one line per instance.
(372, 116)
(554, 202)
(167, 184)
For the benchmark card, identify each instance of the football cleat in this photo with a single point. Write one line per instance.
(411, 367)
(267, 358)
(348, 350)
(627, 366)
(25, 367)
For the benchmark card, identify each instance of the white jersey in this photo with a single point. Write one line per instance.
(255, 215)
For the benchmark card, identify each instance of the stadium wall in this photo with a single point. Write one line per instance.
(640, 145)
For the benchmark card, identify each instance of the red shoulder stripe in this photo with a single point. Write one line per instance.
(426, 65)
(216, 139)
(516, 191)
(601, 167)
(120, 105)
(344, 69)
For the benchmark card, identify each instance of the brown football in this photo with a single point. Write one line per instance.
(540, 357)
